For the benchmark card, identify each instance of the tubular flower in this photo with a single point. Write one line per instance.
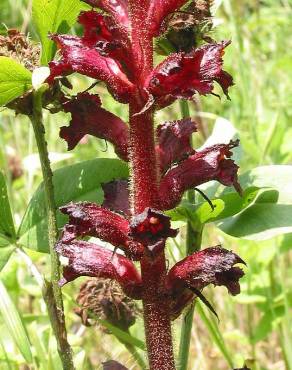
(89, 118)
(210, 266)
(181, 75)
(88, 259)
(98, 54)
(159, 10)
(89, 219)
(212, 163)
(174, 141)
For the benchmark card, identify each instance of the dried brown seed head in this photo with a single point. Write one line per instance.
(104, 299)
(18, 46)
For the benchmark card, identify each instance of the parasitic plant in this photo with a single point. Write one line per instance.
(117, 48)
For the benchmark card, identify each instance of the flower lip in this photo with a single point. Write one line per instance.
(213, 265)
(181, 75)
(151, 227)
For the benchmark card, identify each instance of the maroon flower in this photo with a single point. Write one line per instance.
(89, 219)
(88, 259)
(151, 228)
(213, 265)
(174, 141)
(181, 75)
(92, 220)
(89, 118)
(212, 163)
(98, 54)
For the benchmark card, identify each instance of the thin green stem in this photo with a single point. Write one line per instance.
(136, 356)
(52, 292)
(215, 334)
(193, 243)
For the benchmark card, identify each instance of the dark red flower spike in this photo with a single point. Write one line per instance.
(181, 75)
(89, 118)
(210, 266)
(212, 163)
(88, 259)
(174, 141)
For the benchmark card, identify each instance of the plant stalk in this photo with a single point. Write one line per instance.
(136, 356)
(51, 292)
(193, 243)
(144, 193)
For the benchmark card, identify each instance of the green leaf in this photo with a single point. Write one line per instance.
(122, 335)
(81, 181)
(278, 177)
(259, 222)
(14, 324)
(6, 220)
(263, 218)
(226, 206)
(15, 80)
(54, 16)
(7, 230)
(5, 253)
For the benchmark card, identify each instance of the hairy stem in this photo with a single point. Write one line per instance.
(144, 193)
(193, 243)
(52, 292)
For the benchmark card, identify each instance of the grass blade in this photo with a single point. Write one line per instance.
(14, 324)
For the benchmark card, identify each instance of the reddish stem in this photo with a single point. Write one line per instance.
(144, 194)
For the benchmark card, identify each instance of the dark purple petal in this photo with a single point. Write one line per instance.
(174, 141)
(88, 259)
(89, 118)
(151, 228)
(116, 196)
(210, 266)
(212, 163)
(181, 75)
